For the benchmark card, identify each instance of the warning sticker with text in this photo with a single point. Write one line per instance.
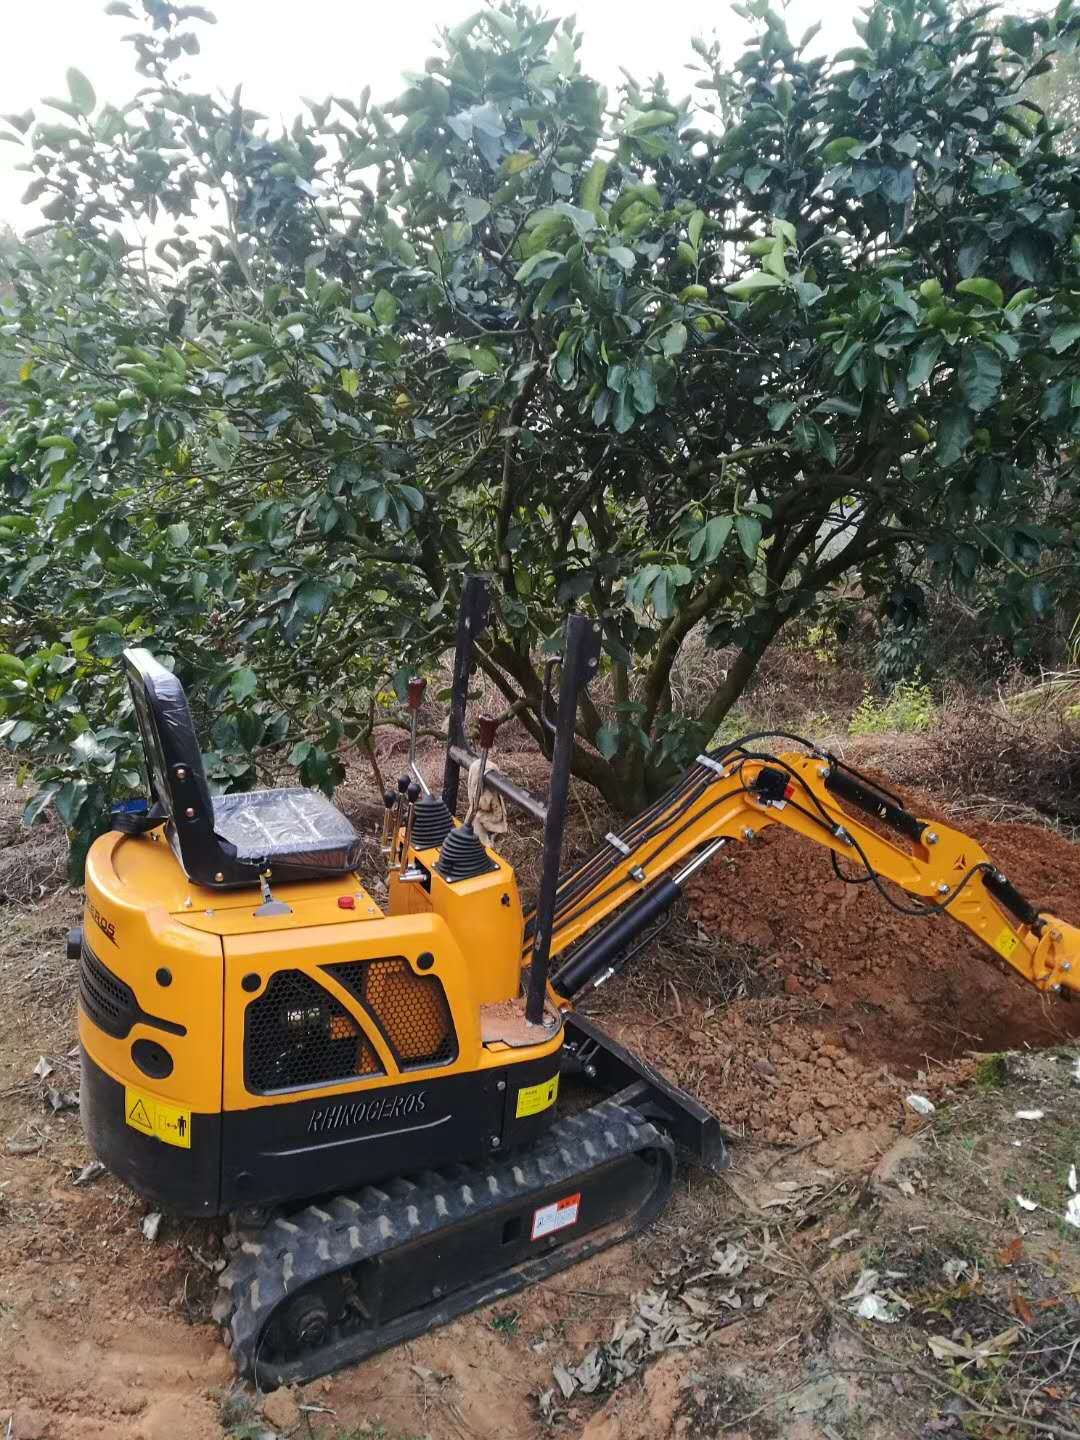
(171, 1123)
(1006, 943)
(531, 1099)
(557, 1216)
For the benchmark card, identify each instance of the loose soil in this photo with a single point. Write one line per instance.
(800, 1009)
(857, 999)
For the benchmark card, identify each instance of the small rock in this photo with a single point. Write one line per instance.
(281, 1409)
(29, 1424)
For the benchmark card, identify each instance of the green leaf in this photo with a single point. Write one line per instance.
(592, 187)
(178, 534)
(1064, 336)
(641, 122)
(988, 290)
(1024, 257)
(674, 341)
(980, 376)
(39, 803)
(311, 597)
(694, 228)
(525, 270)
(623, 256)
(474, 209)
(81, 91)
(243, 684)
(748, 529)
(711, 538)
(623, 412)
(954, 434)
(350, 382)
(779, 413)
(643, 385)
(607, 741)
(583, 221)
(923, 362)
(837, 150)
(751, 283)
(386, 307)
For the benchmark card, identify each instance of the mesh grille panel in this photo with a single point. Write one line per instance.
(297, 1034)
(107, 1000)
(411, 1009)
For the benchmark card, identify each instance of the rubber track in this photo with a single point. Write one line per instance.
(270, 1265)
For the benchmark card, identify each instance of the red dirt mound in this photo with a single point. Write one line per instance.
(863, 997)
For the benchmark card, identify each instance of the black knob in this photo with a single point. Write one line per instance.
(389, 799)
(413, 793)
(403, 784)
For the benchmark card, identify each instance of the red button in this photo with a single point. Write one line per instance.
(346, 902)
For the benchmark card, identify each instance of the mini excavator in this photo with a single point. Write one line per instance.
(373, 1096)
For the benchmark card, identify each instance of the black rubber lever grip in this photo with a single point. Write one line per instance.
(587, 962)
(1006, 892)
(839, 782)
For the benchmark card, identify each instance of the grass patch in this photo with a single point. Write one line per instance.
(505, 1322)
(909, 707)
(992, 1072)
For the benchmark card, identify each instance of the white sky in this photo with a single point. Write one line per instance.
(282, 49)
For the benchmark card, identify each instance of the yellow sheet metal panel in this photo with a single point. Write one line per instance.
(174, 972)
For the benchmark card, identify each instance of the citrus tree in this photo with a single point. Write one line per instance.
(684, 363)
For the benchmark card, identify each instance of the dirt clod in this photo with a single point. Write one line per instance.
(281, 1410)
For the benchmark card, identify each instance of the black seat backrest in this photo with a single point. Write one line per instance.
(168, 733)
(175, 772)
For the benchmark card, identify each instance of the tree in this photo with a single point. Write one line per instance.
(677, 368)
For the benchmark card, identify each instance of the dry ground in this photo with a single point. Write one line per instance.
(805, 1018)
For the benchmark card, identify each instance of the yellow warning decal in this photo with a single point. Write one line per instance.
(1006, 943)
(171, 1123)
(534, 1098)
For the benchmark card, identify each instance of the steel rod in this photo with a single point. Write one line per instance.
(500, 783)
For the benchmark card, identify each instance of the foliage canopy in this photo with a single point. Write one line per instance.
(683, 362)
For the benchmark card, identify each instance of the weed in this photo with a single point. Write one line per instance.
(506, 1322)
(992, 1072)
(908, 707)
(239, 1418)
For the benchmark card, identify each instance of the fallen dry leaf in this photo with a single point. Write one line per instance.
(1012, 1251)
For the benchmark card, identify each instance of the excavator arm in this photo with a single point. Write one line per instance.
(604, 906)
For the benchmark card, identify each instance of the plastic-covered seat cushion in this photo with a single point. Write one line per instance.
(286, 825)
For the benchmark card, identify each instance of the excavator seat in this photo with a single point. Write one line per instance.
(225, 841)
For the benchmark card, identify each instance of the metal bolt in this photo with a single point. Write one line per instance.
(436, 1292)
(500, 1085)
(1066, 965)
(190, 813)
(219, 876)
(823, 772)
(187, 903)
(748, 833)
(495, 1142)
(931, 837)
(209, 914)
(1056, 936)
(942, 888)
(181, 773)
(1056, 989)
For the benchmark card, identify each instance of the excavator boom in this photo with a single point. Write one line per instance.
(736, 793)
